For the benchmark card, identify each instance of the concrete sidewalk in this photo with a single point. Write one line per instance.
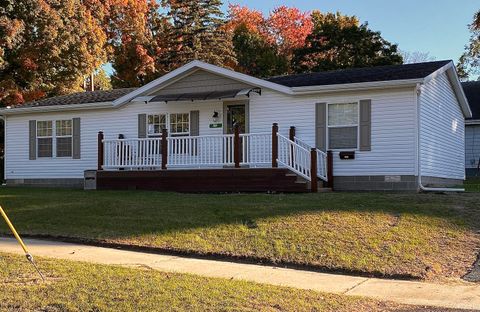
(407, 292)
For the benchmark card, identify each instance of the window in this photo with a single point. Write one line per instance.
(179, 124)
(343, 126)
(44, 139)
(63, 132)
(155, 124)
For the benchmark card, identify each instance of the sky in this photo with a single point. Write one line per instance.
(439, 27)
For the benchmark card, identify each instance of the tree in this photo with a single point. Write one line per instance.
(416, 57)
(284, 30)
(469, 62)
(138, 35)
(289, 28)
(101, 81)
(339, 42)
(47, 47)
(256, 56)
(198, 33)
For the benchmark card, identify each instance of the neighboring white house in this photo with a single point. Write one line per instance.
(472, 129)
(395, 123)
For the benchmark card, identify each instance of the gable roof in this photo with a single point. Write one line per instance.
(81, 98)
(370, 78)
(193, 66)
(472, 92)
(358, 75)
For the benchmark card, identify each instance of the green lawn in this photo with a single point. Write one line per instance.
(472, 184)
(77, 286)
(422, 235)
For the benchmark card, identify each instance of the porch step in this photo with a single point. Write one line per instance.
(204, 180)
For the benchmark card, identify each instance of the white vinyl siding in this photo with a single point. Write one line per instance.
(201, 81)
(111, 121)
(442, 131)
(472, 146)
(393, 127)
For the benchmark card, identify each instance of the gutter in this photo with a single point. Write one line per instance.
(55, 108)
(356, 86)
(421, 187)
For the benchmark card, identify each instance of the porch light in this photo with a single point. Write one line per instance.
(215, 116)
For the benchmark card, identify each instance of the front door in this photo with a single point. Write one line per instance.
(235, 115)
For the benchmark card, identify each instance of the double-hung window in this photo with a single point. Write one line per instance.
(343, 126)
(155, 124)
(180, 124)
(44, 138)
(54, 136)
(63, 137)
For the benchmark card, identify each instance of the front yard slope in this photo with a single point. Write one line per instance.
(426, 236)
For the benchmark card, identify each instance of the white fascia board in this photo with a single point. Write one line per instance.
(451, 72)
(357, 86)
(55, 108)
(470, 122)
(195, 65)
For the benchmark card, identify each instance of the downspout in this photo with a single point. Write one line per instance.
(421, 187)
(4, 178)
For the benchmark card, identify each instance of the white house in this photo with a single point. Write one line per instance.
(472, 129)
(395, 127)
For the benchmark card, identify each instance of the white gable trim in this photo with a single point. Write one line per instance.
(193, 66)
(452, 75)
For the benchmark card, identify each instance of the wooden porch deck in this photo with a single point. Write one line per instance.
(228, 180)
(261, 162)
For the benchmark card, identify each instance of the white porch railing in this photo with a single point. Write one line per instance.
(200, 151)
(213, 151)
(294, 157)
(208, 151)
(321, 159)
(132, 153)
(256, 149)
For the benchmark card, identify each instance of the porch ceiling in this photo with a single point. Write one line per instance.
(201, 96)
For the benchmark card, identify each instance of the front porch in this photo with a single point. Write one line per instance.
(238, 162)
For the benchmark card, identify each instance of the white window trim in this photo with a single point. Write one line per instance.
(63, 136)
(155, 135)
(54, 139)
(357, 148)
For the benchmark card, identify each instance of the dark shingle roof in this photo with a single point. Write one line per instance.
(356, 75)
(472, 92)
(81, 98)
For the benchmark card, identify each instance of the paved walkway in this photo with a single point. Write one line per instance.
(407, 292)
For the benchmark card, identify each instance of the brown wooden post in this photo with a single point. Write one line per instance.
(164, 149)
(291, 136)
(236, 146)
(274, 145)
(100, 150)
(330, 169)
(291, 133)
(313, 170)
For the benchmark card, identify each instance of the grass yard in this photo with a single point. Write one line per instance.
(77, 286)
(472, 184)
(429, 236)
